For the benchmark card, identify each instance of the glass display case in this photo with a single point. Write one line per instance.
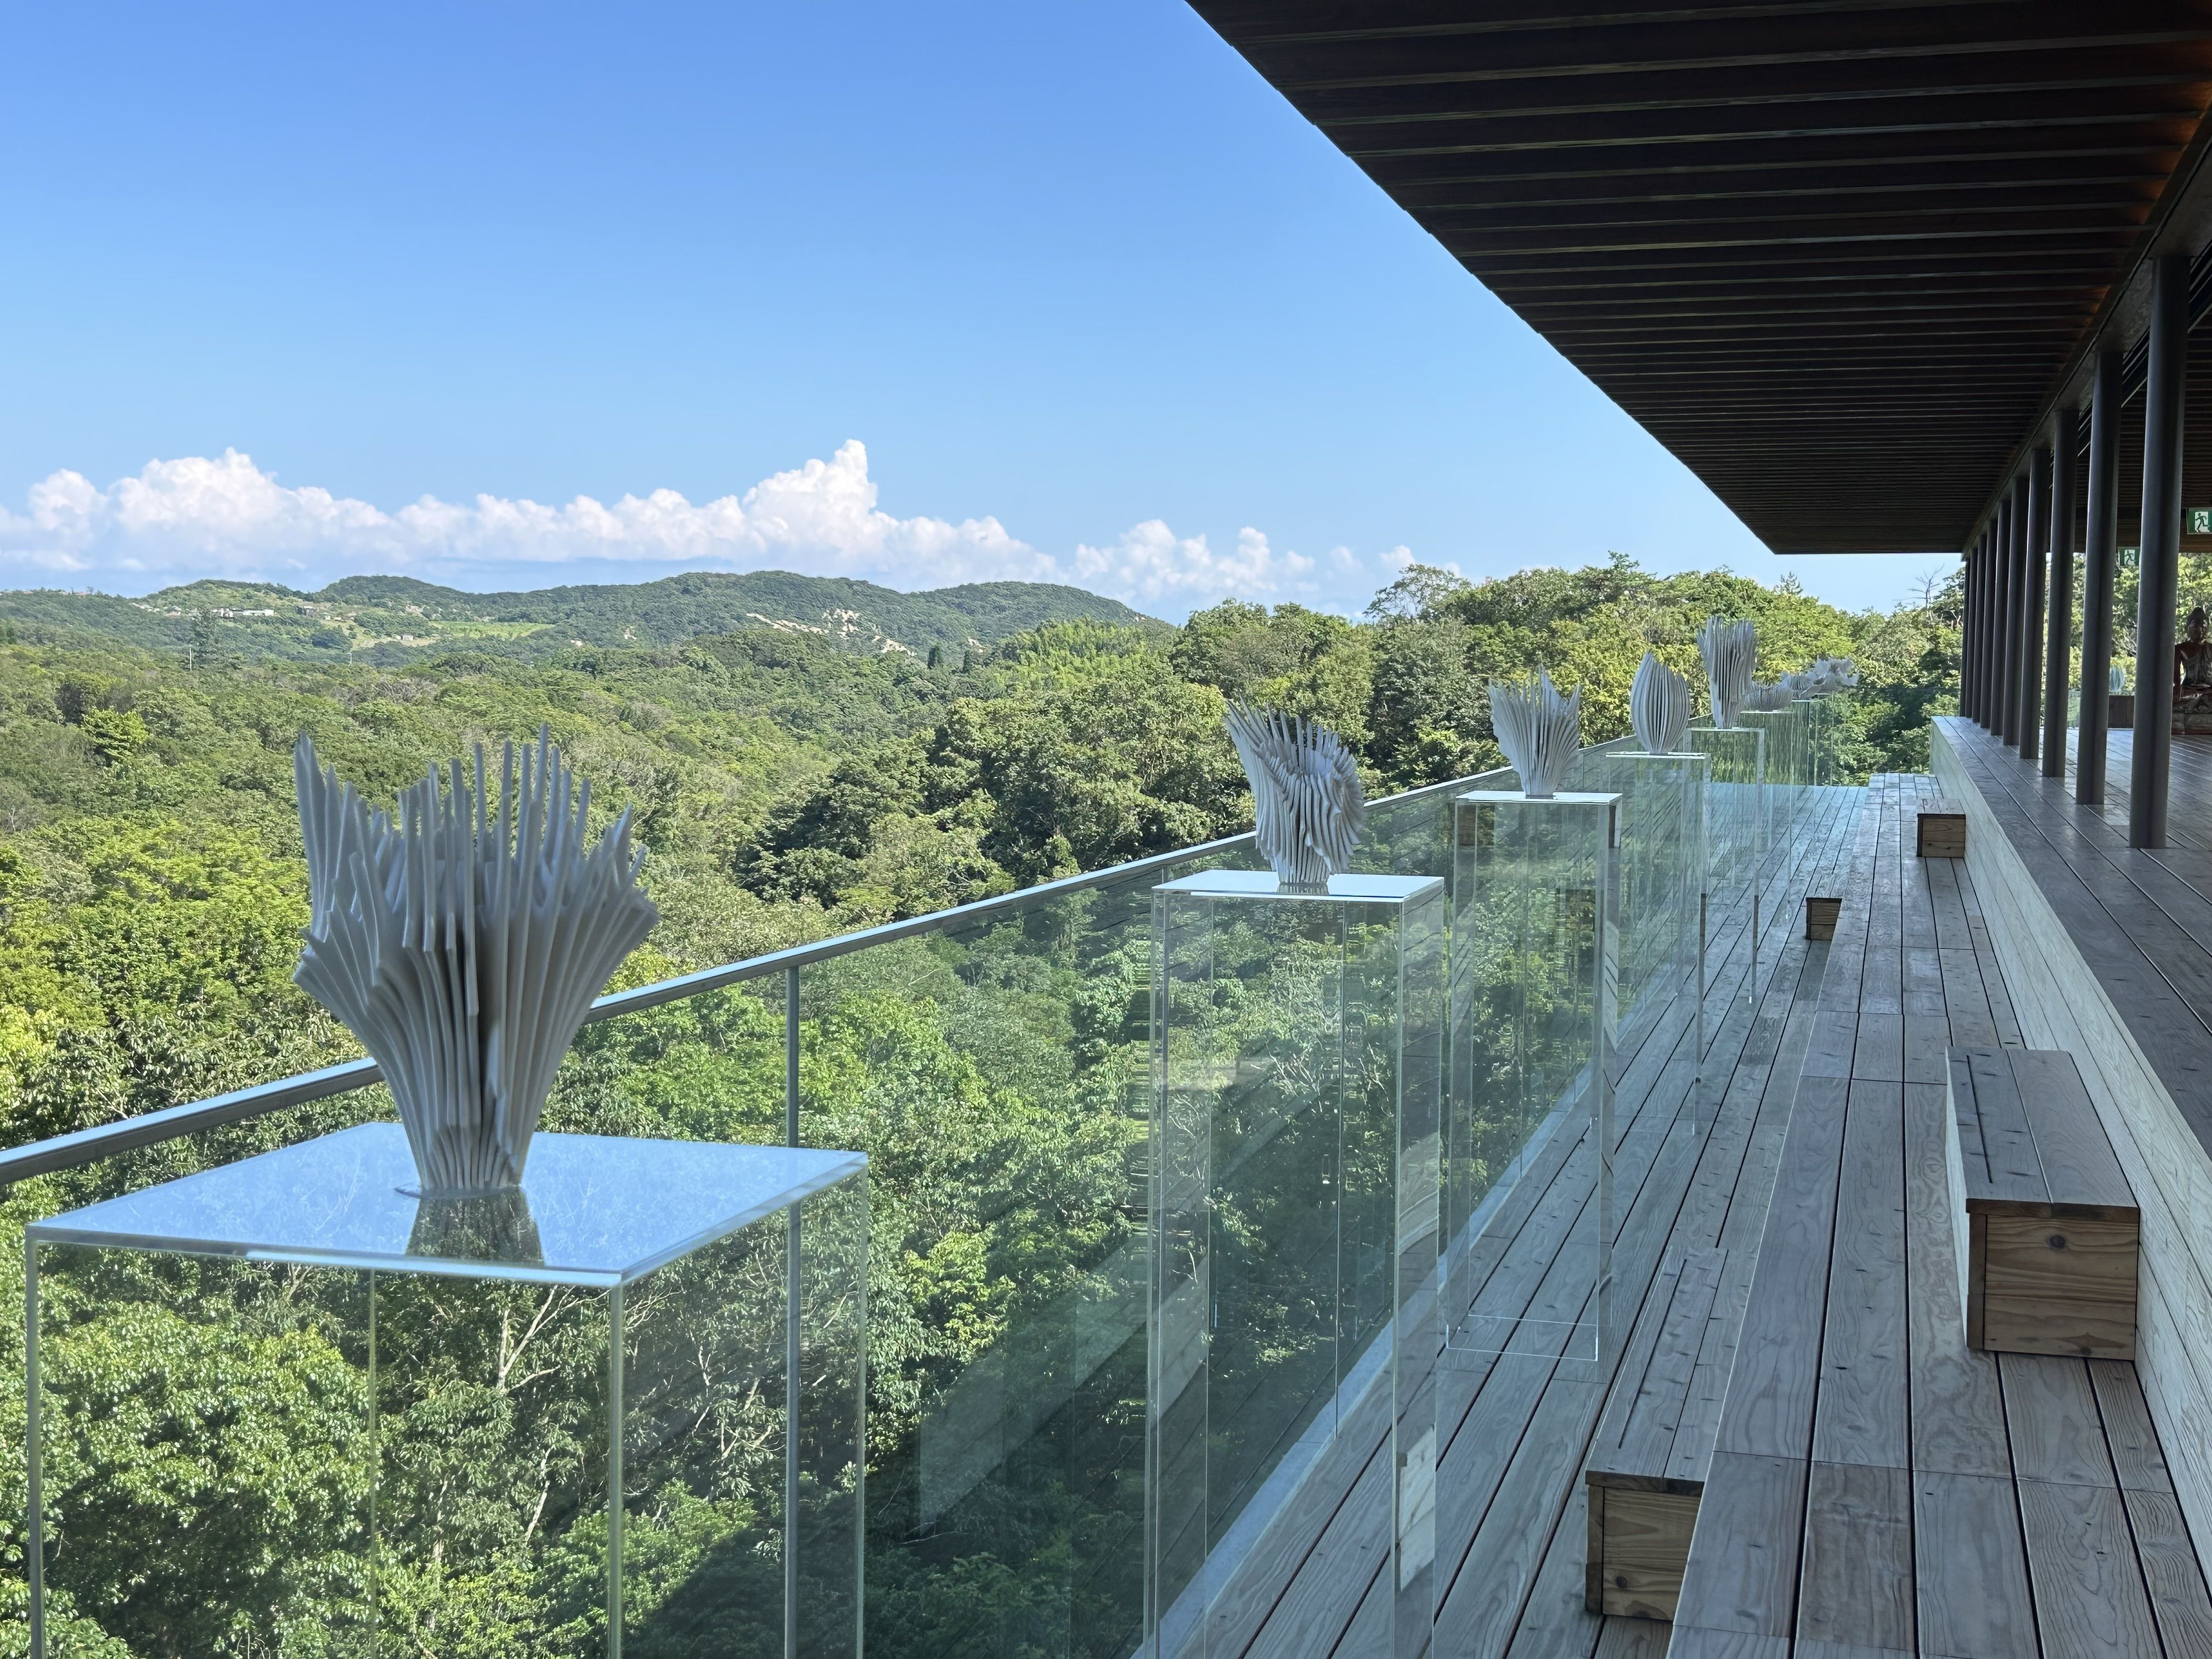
(687, 1318)
(1535, 989)
(1298, 1069)
(1662, 854)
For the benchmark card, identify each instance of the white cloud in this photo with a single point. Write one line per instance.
(179, 519)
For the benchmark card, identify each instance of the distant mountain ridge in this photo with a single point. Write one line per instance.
(392, 619)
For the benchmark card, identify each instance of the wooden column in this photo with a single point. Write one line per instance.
(1977, 629)
(2000, 624)
(2032, 546)
(2058, 641)
(2164, 393)
(2016, 614)
(2099, 546)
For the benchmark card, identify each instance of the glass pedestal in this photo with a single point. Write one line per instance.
(1785, 730)
(1662, 887)
(1736, 825)
(1297, 1070)
(618, 1409)
(1534, 983)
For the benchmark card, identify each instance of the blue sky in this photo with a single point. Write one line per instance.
(502, 294)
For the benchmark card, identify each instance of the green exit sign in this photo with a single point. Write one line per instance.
(2200, 520)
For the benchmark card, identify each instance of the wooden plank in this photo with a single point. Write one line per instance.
(1691, 1643)
(1644, 1540)
(2059, 1284)
(1861, 1416)
(1769, 1409)
(1927, 1040)
(1856, 1577)
(2129, 1435)
(2050, 1413)
(1635, 1440)
(2014, 1174)
(1743, 1561)
(2078, 1163)
(1970, 1567)
(2172, 1573)
(2081, 1567)
(1879, 1054)
(1958, 1411)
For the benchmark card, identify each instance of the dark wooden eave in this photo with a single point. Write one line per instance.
(1837, 258)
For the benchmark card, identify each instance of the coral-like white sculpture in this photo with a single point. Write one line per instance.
(1539, 730)
(1731, 652)
(2117, 679)
(464, 947)
(1659, 707)
(1307, 805)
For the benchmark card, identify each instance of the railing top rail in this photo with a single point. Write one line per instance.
(147, 1129)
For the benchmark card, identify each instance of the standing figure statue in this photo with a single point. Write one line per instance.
(2192, 676)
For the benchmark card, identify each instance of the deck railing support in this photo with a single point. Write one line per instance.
(1972, 633)
(2099, 546)
(2014, 552)
(2058, 643)
(2164, 394)
(2037, 540)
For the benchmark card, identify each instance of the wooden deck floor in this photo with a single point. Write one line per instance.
(1880, 1489)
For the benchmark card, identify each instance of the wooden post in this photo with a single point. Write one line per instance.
(2058, 644)
(2164, 395)
(2037, 538)
(2098, 550)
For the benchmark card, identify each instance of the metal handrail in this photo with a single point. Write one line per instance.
(84, 1146)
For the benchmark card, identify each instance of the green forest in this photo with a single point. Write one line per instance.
(794, 773)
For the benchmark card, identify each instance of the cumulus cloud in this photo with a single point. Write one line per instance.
(180, 519)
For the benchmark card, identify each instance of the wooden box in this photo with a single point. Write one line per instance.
(2119, 710)
(2051, 1243)
(1821, 916)
(1943, 834)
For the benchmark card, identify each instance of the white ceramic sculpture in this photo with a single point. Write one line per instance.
(1827, 676)
(2118, 680)
(463, 945)
(1731, 652)
(1659, 707)
(1539, 730)
(1307, 808)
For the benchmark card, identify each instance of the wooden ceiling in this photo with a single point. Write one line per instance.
(1836, 256)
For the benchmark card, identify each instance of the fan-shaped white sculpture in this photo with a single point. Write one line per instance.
(1829, 675)
(464, 947)
(1307, 808)
(1539, 730)
(1731, 652)
(2117, 679)
(1659, 707)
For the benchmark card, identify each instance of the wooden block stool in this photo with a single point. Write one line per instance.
(1821, 915)
(1943, 833)
(1653, 1448)
(2050, 1245)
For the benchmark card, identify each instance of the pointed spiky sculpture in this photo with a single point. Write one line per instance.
(1307, 808)
(1539, 730)
(463, 945)
(1659, 707)
(1731, 653)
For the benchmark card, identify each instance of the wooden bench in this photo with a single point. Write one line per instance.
(1654, 1446)
(1942, 831)
(2047, 1256)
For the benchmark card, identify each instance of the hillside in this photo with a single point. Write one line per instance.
(388, 620)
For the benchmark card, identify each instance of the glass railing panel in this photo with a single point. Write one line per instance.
(999, 1076)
